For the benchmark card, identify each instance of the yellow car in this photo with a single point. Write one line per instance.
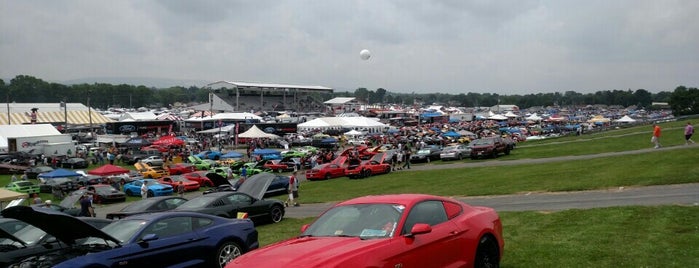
(152, 172)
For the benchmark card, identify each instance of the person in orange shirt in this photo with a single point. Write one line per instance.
(656, 136)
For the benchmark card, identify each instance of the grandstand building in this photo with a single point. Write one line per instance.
(227, 96)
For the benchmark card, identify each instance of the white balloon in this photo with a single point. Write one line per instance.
(365, 54)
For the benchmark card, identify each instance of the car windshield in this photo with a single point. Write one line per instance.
(483, 142)
(424, 151)
(29, 234)
(362, 220)
(122, 230)
(197, 202)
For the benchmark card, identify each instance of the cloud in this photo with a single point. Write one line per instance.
(505, 47)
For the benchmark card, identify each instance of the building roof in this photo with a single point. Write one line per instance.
(339, 100)
(268, 86)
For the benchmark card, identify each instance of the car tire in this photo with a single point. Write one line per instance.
(150, 193)
(507, 151)
(461, 157)
(327, 176)
(129, 193)
(225, 253)
(487, 253)
(276, 214)
(367, 173)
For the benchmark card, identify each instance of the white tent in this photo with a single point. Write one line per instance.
(497, 117)
(534, 117)
(353, 133)
(344, 122)
(255, 132)
(625, 119)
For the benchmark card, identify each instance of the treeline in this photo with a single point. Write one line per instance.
(25, 88)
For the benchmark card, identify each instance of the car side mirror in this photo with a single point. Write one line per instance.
(304, 227)
(148, 237)
(420, 228)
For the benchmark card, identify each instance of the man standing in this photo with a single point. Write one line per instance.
(293, 191)
(144, 191)
(688, 132)
(180, 189)
(656, 136)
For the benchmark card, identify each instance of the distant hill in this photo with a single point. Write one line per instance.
(139, 81)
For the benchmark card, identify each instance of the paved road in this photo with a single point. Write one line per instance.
(677, 194)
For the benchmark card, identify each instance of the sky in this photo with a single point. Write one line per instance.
(417, 46)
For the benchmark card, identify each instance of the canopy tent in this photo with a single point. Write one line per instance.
(255, 132)
(107, 170)
(223, 129)
(169, 140)
(534, 117)
(325, 123)
(599, 119)
(59, 173)
(231, 154)
(511, 114)
(452, 134)
(7, 195)
(625, 119)
(354, 133)
(497, 117)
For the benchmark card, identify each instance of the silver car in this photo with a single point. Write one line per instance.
(456, 151)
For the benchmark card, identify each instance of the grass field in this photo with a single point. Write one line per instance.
(663, 236)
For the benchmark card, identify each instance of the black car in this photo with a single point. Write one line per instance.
(248, 199)
(33, 172)
(426, 154)
(63, 184)
(19, 240)
(73, 163)
(153, 204)
(279, 185)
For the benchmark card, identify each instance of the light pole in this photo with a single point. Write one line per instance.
(89, 113)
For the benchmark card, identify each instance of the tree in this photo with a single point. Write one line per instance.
(684, 101)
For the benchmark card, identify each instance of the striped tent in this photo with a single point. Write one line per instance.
(74, 118)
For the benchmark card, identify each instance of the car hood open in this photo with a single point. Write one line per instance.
(256, 185)
(64, 227)
(217, 179)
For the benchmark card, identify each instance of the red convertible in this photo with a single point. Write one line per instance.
(180, 168)
(334, 169)
(379, 164)
(403, 230)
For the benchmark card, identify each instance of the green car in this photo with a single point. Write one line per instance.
(223, 171)
(26, 187)
(300, 151)
(200, 164)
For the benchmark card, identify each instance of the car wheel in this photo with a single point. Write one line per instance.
(127, 192)
(226, 253)
(487, 254)
(276, 214)
(150, 193)
(461, 157)
(327, 176)
(149, 164)
(507, 151)
(367, 173)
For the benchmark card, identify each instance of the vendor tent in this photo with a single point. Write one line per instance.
(255, 132)
(107, 170)
(625, 119)
(169, 140)
(59, 173)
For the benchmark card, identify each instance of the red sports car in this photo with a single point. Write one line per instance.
(277, 165)
(378, 164)
(405, 230)
(334, 169)
(180, 168)
(200, 177)
(174, 181)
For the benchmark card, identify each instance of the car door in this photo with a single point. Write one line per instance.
(248, 204)
(442, 241)
(175, 244)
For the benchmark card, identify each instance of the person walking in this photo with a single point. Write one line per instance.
(180, 189)
(656, 136)
(293, 191)
(688, 132)
(406, 156)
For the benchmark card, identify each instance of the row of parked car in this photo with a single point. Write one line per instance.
(208, 223)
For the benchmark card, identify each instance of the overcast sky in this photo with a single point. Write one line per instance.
(459, 46)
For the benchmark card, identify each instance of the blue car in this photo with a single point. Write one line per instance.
(212, 155)
(154, 188)
(161, 239)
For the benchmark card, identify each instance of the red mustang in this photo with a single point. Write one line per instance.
(180, 168)
(277, 165)
(334, 169)
(174, 181)
(403, 230)
(200, 177)
(378, 164)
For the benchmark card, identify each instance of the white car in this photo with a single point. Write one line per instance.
(458, 151)
(356, 142)
(153, 160)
